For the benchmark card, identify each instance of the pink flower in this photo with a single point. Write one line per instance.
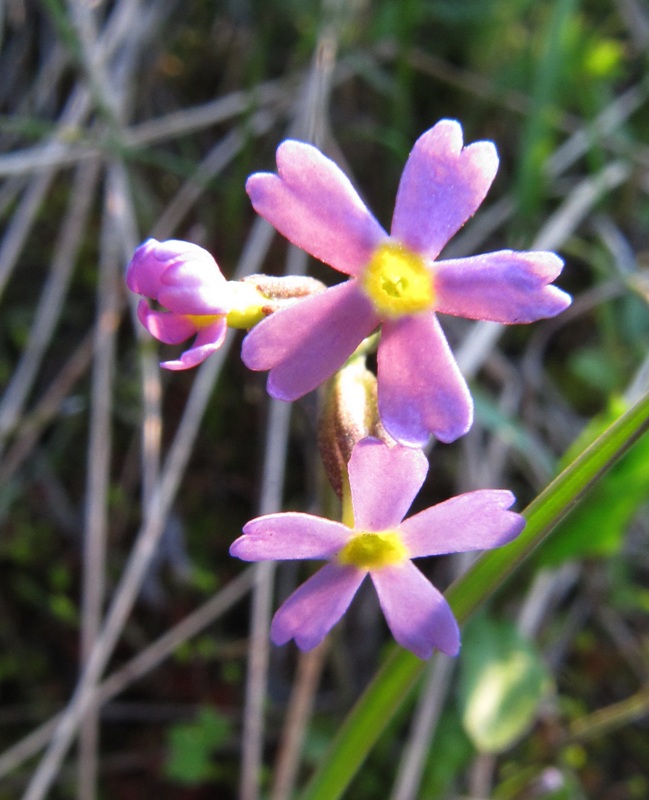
(378, 541)
(395, 281)
(186, 280)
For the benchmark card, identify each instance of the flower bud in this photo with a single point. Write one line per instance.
(186, 281)
(350, 414)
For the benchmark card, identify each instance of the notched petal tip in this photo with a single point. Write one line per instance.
(442, 186)
(314, 205)
(419, 617)
(505, 286)
(384, 481)
(556, 301)
(240, 548)
(259, 185)
(316, 606)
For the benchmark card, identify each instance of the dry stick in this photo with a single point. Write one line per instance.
(64, 155)
(128, 236)
(52, 298)
(47, 408)
(138, 666)
(258, 648)
(308, 122)
(298, 713)
(123, 20)
(20, 225)
(147, 540)
(217, 159)
(609, 718)
(82, 18)
(636, 19)
(99, 454)
(134, 573)
(110, 97)
(151, 384)
(606, 123)
(180, 123)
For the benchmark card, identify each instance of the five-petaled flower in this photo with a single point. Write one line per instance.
(395, 281)
(184, 279)
(377, 540)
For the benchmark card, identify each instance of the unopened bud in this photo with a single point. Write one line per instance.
(350, 414)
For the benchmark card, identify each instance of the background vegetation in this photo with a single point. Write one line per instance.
(121, 487)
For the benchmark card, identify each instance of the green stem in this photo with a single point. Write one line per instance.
(383, 697)
(606, 720)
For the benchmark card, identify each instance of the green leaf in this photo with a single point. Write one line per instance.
(192, 745)
(502, 682)
(450, 753)
(598, 525)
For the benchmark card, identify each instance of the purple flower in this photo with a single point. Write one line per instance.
(377, 540)
(186, 280)
(395, 280)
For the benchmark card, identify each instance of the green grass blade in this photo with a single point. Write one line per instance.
(371, 714)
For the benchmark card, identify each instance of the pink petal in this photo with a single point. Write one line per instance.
(472, 521)
(506, 286)
(316, 606)
(195, 286)
(442, 186)
(208, 341)
(166, 326)
(313, 204)
(307, 342)
(420, 387)
(384, 482)
(144, 270)
(152, 258)
(278, 537)
(170, 249)
(419, 617)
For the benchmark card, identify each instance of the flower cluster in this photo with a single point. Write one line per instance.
(396, 285)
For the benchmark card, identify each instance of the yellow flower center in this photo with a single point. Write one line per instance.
(247, 308)
(247, 305)
(397, 281)
(373, 550)
(202, 320)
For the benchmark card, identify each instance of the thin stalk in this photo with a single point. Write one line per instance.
(610, 718)
(96, 510)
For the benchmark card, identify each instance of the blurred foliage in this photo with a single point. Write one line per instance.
(502, 683)
(192, 747)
